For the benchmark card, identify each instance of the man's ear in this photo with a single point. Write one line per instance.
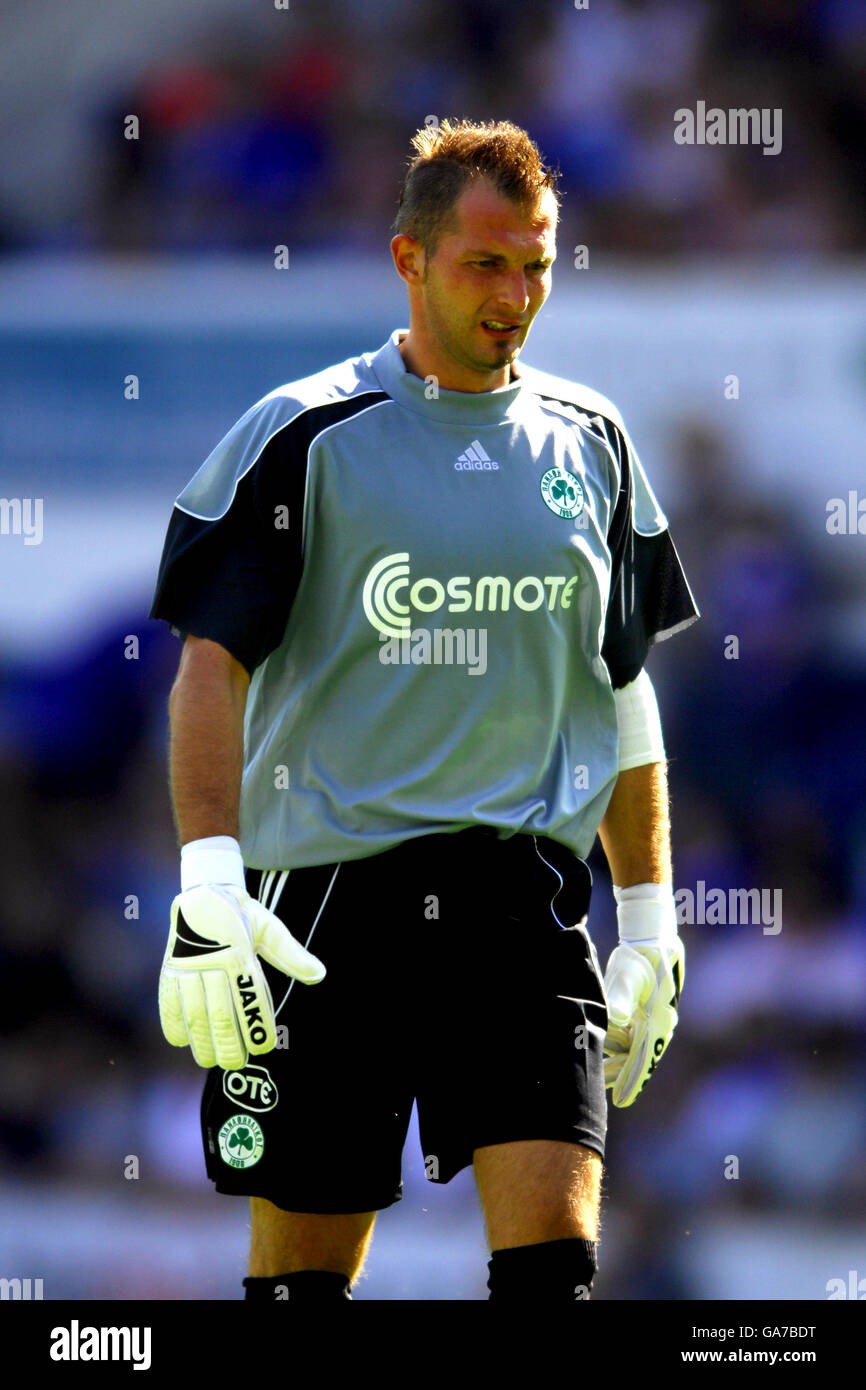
(408, 258)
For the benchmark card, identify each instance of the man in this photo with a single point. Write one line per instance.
(417, 590)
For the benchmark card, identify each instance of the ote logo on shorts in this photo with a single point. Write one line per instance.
(241, 1141)
(253, 1087)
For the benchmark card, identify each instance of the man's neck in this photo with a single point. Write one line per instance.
(408, 352)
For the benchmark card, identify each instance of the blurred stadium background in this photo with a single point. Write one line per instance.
(154, 257)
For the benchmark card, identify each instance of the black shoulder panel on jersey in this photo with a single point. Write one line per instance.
(650, 598)
(592, 416)
(234, 579)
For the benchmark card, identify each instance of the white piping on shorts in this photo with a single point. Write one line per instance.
(581, 925)
(558, 875)
(267, 880)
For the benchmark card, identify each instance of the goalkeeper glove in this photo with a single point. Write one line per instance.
(642, 983)
(213, 995)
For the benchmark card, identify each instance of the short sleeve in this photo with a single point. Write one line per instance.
(650, 598)
(232, 559)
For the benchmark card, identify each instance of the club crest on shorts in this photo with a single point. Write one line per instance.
(241, 1141)
(562, 492)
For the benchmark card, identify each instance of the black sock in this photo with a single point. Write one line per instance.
(552, 1271)
(303, 1286)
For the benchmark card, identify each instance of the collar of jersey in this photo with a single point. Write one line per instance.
(449, 407)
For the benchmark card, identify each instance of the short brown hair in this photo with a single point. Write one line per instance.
(449, 155)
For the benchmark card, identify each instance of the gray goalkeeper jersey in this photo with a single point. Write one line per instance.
(436, 594)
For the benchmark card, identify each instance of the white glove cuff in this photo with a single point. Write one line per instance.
(216, 859)
(646, 912)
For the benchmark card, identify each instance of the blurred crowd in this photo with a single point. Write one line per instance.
(767, 748)
(245, 142)
(768, 780)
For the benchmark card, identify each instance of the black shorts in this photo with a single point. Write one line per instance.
(460, 974)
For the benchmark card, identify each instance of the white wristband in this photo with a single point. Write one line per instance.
(638, 724)
(646, 912)
(216, 859)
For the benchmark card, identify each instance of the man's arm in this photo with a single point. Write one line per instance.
(213, 995)
(635, 829)
(645, 971)
(206, 711)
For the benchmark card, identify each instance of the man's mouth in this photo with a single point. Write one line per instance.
(500, 328)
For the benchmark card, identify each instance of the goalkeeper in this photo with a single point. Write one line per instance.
(417, 592)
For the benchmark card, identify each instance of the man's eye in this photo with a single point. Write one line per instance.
(537, 265)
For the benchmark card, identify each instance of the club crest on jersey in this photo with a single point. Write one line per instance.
(241, 1141)
(562, 492)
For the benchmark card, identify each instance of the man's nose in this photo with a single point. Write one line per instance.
(513, 291)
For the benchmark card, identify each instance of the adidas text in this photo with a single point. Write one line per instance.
(476, 459)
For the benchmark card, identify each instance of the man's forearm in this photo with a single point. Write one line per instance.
(635, 829)
(206, 710)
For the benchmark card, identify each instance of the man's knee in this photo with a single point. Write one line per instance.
(536, 1191)
(285, 1242)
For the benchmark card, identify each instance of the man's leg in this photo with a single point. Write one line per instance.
(541, 1203)
(286, 1242)
(312, 1127)
(538, 1189)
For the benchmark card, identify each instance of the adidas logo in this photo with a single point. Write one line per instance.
(476, 458)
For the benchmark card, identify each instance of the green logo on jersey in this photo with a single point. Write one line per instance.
(241, 1141)
(562, 492)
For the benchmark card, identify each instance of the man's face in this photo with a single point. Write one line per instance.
(493, 270)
